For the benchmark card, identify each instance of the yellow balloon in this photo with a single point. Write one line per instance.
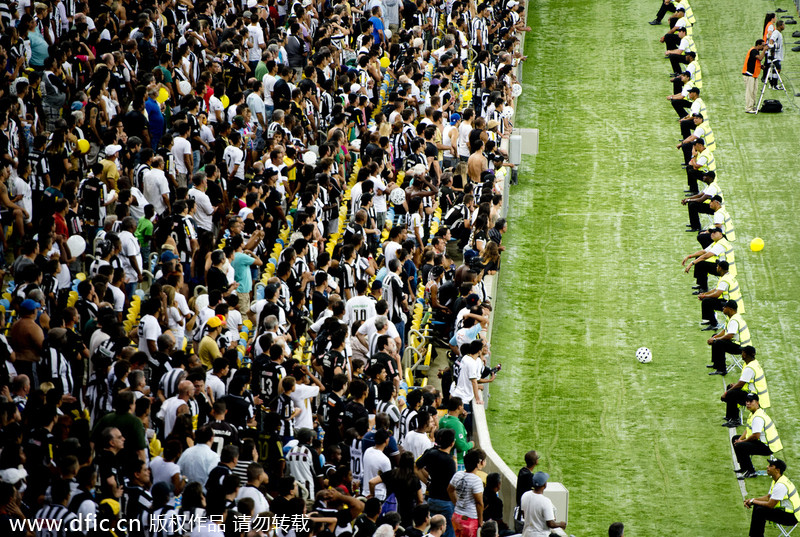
(385, 62)
(757, 244)
(83, 145)
(225, 101)
(467, 95)
(163, 95)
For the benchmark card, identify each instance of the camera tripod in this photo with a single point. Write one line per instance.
(772, 71)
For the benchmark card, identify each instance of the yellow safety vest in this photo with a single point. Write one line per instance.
(710, 165)
(689, 12)
(770, 434)
(719, 191)
(708, 136)
(758, 384)
(791, 502)
(733, 292)
(728, 224)
(702, 110)
(697, 79)
(742, 336)
(727, 255)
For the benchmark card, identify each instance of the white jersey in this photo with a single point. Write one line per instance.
(359, 308)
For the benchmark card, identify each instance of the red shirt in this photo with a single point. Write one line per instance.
(61, 225)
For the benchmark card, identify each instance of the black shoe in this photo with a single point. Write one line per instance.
(790, 21)
(796, 34)
(693, 230)
(731, 424)
(747, 475)
(654, 22)
(779, 10)
(707, 328)
(718, 372)
(699, 291)
(796, 49)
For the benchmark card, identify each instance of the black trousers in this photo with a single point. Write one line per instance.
(676, 60)
(687, 127)
(718, 350)
(687, 150)
(704, 238)
(692, 177)
(681, 106)
(762, 514)
(695, 208)
(663, 10)
(701, 272)
(743, 451)
(733, 398)
(672, 41)
(710, 305)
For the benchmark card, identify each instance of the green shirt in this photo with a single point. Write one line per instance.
(462, 445)
(129, 425)
(144, 231)
(261, 70)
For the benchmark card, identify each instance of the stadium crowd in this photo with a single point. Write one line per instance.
(715, 258)
(234, 225)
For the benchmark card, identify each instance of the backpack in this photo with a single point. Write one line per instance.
(91, 195)
(771, 106)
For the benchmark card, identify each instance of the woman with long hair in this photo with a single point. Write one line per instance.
(403, 483)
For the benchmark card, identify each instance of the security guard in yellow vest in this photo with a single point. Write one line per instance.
(727, 289)
(702, 162)
(752, 380)
(730, 339)
(722, 220)
(702, 130)
(701, 203)
(694, 67)
(780, 505)
(705, 261)
(697, 106)
(759, 438)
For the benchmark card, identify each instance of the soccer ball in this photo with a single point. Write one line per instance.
(397, 196)
(644, 355)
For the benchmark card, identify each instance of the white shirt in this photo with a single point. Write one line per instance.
(149, 330)
(233, 156)
(261, 503)
(375, 463)
(155, 185)
(216, 385)
(470, 369)
(359, 308)
(22, 187)
(302, 396)
(268, 81)
(256, 38)
(538, 510)
(180, 148)
(214, 105)
(203, 209)
(379, 198)
(777, 39)
(390, 251)
(137, 211)
(130, 248)
(368, 329)
(416, 443)
(162, 471)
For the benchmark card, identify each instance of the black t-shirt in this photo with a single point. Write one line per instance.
(524, 483)
(238, 410)
(441, 468)
(352, 413)
(281, 95)
(216, 279)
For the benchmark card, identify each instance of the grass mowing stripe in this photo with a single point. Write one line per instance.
(592, 271)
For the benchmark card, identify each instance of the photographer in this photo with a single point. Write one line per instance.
(775, 56)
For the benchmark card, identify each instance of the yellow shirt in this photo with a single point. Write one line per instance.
(208, 351)
(110, 172)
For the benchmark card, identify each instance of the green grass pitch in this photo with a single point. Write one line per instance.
(592, 270)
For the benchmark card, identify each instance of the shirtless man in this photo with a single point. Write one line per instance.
(14, 212)
(477, 163)
(27, 338)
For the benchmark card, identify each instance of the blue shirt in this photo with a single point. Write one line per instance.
(241, 268)
(38, 48)
(154, 116)
(376, 26)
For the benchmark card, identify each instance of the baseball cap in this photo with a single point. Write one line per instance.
(751, 397)
(12, 475)
(29, 305)
(169, 255)
(214, 322)
(76, 105)
(539, 479)
(455, 118)
(112, 149)
(247, 14)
